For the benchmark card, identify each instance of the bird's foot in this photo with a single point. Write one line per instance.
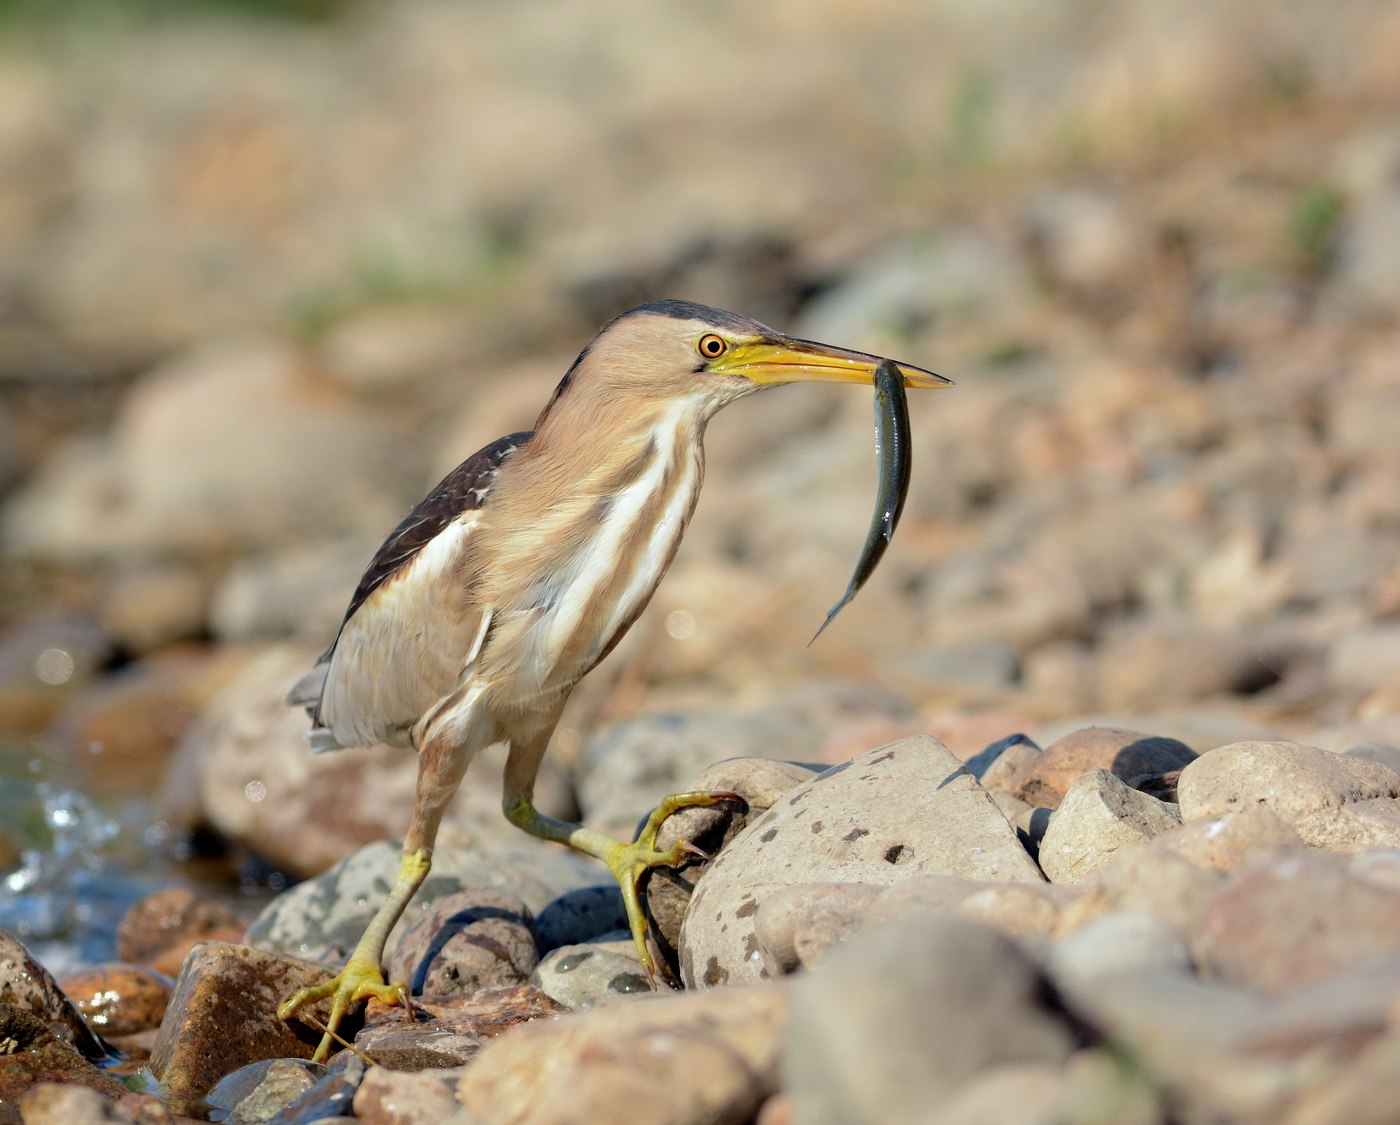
(361, 979)
(629, 862)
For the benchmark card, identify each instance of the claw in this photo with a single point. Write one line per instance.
(359, 980)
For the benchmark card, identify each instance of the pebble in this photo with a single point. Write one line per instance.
(587, 976)
(1141, 761)
(399, 1097)
(53, 1103)
(698, 1058)
(119, 999)
(883, 1027)
(474, 939)
(1098, 816)
(1331, 800)
(853, 823)
(262, 1090)
(160, 929)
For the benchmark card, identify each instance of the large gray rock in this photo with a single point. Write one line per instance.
(885, 1027)
(1332, 801)
(906, 809)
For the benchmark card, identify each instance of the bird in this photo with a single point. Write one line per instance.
(521, 570)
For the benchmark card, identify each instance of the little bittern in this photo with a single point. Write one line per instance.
(520, 572)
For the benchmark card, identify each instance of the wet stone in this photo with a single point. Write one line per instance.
(161, 928)
(27, 985)
(588, 976)
(475, 939)
(31, 1053)
(119, 999)
(224, 1015)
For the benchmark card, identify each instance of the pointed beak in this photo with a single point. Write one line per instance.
(783, 359)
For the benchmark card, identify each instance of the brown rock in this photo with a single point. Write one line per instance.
(1332, 801)
(698, 1058)
(1229, 841)
(162, 927)
(119, 999)
(1144, 880)
(1141, 761)
(51, 1103)
(477, 938)
(25, 984)
(1297, 920)
(31, 1053)
(224, 1015)
(397, 1097)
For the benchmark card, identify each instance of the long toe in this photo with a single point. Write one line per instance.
(359, 980)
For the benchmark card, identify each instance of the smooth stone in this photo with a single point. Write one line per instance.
(1144, 880)
(1229, 841)
(474, 939)
(27, 985)
(322, 919)
(795, 925)
(1118, 943)
(119, 999)
(399, 1097)
(885, 1025)
(262, 1090)
(1142, 761)
(580, 915)
(1203, 730)
(759, 784)
(1096, 817)
(330, 1097)
(198, 1044)
(587, 976)
(1364, 1092)
(1299, 919)
(160, 929)
(1003, 760)
(688, 1059)
(1331, 800)
(61, 1103)
(906, 809)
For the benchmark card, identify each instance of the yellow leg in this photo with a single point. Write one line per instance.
(362, 977)
(626, 861)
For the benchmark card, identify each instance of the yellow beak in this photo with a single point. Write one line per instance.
(787, 360)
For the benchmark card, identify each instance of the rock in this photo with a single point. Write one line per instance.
(1096, 817)
(1144, 762)
(26, 985)
(198, 1044)
(972, 663)
(322, 919)
(474, 939)
(1331, 800)
(119, 999)
(1363, 1093)
(44, 661)
(1092, 1087)
(587, 976)
(160, 929)
(1144, 880)
(260, 784)
(707, 1057)
(1299, 919)
(995, 766)
(1229, 841)
(454, 1029)
(580, 915)
(310, 460)
(397, 1097)
(54, 1103)
(1364, 658)
(262, 1091)
(1118, 943)
(882, 1027)
(796, 925)
(146, 607)
(35, 1054)
(759, 783)
(1200, 730)
(901, 810)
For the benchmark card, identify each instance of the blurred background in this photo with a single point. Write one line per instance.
(269, 269)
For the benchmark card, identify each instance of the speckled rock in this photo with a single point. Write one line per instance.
(474, 939)
(1332, 801)
(27, 985)
(580, 915)
(1146, 762)
(759, 783)
(1095, 818)
(1301, 918)
(905, 809)
(397, 1097)
(161, 928)
(885, 1026)
(119, 999)
(197, 1044)
(676, 1060)
(587, 976)
(262, 1090)
(322, 919)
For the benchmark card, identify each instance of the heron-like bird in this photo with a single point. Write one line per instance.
(522, 569)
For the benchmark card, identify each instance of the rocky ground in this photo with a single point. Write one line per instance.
(1087, 809)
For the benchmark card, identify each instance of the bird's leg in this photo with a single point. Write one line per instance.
(441, 764)
(627, 862)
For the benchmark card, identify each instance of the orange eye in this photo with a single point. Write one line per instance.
(711, 346)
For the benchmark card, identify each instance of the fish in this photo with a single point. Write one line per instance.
(895, 460)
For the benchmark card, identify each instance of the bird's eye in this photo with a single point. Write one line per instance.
(711, 346)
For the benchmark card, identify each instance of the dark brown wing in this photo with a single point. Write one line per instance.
(463, 489)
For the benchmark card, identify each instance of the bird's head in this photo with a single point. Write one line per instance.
(678, 349)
